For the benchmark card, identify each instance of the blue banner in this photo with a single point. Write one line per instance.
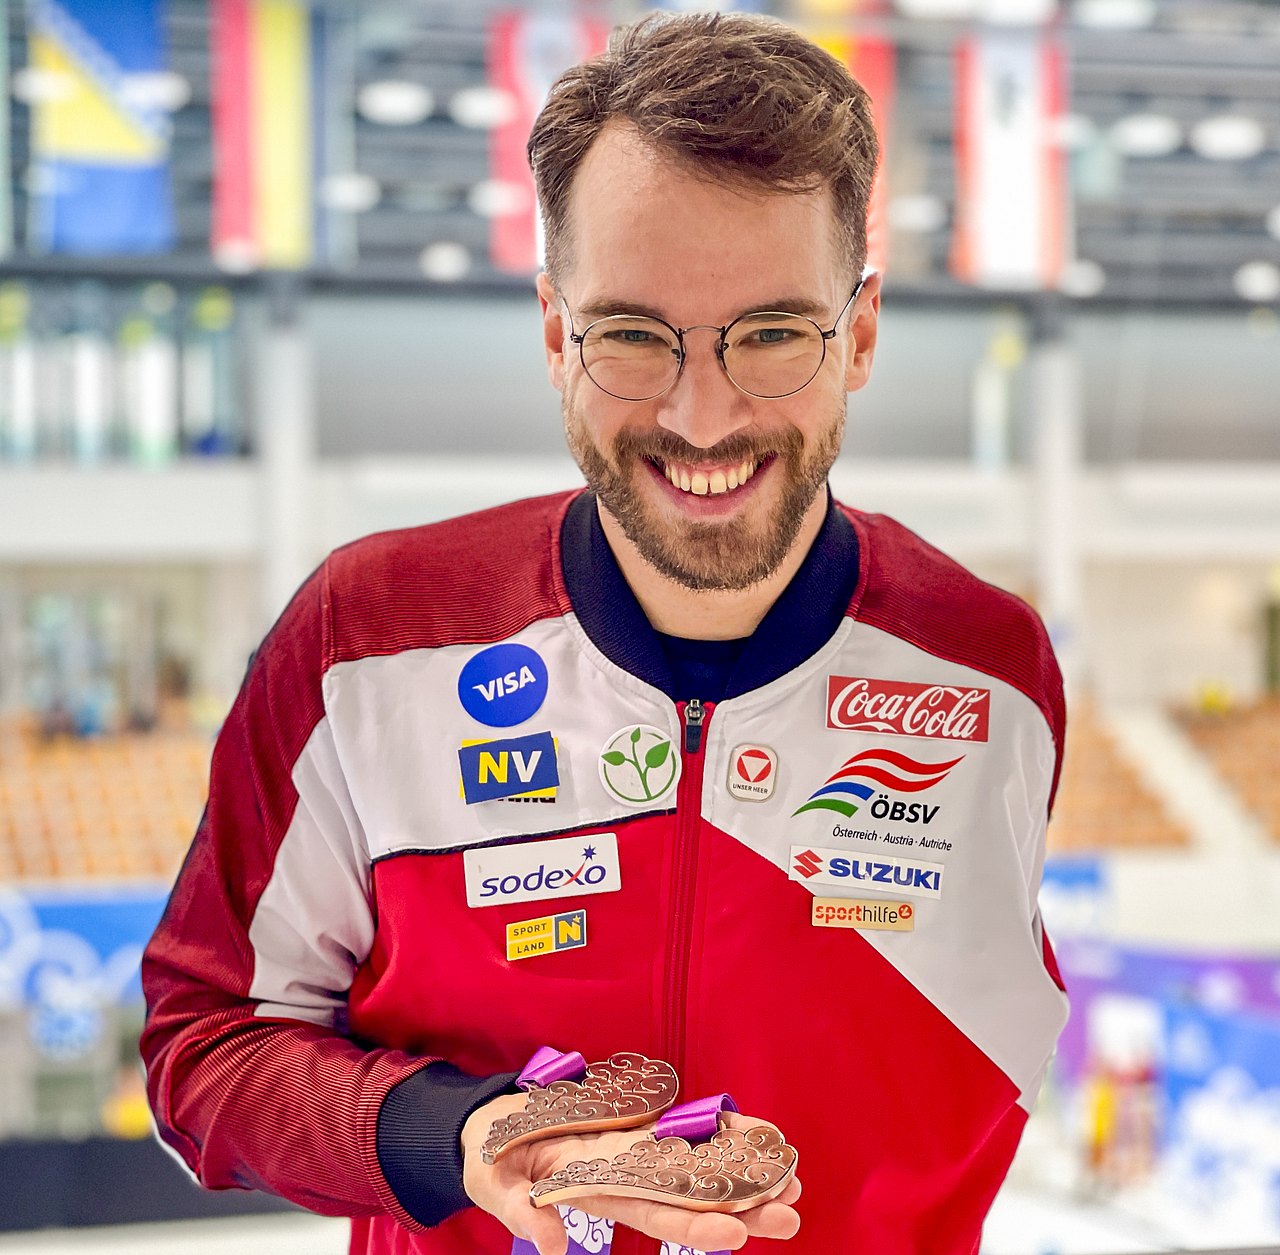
(99, 128)
(1220, 1169)
(76, 945)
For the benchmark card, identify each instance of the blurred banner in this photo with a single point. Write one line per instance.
(527, 53)
(873, 62)
(1011, 186)
(1221, 1094)
(99, 135)
(272, 131)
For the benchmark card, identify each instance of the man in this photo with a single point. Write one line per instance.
(750, 782)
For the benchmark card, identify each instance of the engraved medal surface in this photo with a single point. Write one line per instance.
(620, 1093)
(735, 1170)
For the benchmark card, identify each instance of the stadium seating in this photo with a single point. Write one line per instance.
(1244, 747)
(1102, 804)
(122, 807)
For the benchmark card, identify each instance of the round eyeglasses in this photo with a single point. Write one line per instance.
(767, 354)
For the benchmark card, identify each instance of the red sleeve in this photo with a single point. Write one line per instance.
(248, 1101)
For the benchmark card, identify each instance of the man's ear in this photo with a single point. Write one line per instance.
(864, 322)
(552, 330)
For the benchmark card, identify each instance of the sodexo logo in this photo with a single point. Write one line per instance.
(503, 685)
(531, 871)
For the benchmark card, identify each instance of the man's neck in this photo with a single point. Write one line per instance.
(711, 615)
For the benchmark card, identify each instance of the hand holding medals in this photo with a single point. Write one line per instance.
(701, 1175)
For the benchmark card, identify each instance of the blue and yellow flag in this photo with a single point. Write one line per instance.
(100, 138)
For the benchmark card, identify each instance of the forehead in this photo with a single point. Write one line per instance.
(650, 231)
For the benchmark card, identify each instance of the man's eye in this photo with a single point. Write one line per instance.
(772, 335)
(632, 336)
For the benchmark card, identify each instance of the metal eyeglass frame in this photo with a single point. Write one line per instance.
(721, 345)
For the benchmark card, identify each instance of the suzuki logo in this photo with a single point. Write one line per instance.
(808, 863)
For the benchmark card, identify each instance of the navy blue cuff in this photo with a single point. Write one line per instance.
(419, 1137)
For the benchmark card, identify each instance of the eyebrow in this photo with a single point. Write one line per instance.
(602, 307)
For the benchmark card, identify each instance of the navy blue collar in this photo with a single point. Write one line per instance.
(798, 624)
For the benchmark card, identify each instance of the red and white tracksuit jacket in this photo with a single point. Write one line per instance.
(321, 943)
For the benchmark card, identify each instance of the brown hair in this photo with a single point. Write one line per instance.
(744, 100)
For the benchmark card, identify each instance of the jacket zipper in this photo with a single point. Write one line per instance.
(688, 819)
(693, 717)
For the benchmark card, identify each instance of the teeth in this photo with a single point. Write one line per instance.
(701, 484)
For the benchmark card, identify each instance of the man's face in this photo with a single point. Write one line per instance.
(649, 236)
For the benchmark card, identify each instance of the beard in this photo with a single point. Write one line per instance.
(707, 555)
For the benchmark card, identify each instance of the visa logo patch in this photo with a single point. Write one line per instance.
(528, 937)
(503, 685)
(532, 871)
(508, 768)
(865, 875)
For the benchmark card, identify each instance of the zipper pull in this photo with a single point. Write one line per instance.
(693, 717)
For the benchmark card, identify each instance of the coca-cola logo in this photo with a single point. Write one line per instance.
(943, 711)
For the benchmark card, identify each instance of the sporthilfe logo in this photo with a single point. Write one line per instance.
(865, 875)
(883, 767)
(942, 711)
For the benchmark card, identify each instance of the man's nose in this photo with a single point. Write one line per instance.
(703, 405)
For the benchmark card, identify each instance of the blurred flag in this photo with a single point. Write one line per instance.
(99, 135)
(873, 62)
(527, 53)
(272, 131)
(1011, 221)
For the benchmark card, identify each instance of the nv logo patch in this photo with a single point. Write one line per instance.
(513, 767)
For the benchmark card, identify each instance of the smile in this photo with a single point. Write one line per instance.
(702, 482)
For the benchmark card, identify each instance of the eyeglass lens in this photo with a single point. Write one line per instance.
(767, 355)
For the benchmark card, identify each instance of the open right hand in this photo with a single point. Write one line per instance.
(502, 1189)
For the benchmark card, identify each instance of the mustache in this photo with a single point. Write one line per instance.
(667, 446)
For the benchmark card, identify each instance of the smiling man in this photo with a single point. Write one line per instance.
(695, 763)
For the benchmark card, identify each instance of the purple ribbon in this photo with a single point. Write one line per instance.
(696, 1121)
(549, 1064)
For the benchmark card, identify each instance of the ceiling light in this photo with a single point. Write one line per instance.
(482, 107)
(1017, 12)
(1228, 137)
(445, 261)
(1114, 15)
(156, 89)
(34, 86)
(352, 192)
(917, 214)
(1257, 281)
(1273, 222)
(394, 102)
(1082, 278)
(938, 10)
(1146, 135)
(495, 198)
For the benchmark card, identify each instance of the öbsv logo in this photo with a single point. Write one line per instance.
(639, 765)
(503, 685)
